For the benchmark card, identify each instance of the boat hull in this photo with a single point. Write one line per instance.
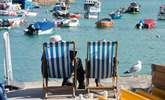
(49, 31)
(115, 16)
(161, 17)
(104, 24)
(70, 23)
(91, 16)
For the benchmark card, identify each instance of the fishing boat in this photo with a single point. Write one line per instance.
(92, 8)
(6, 24)
(133, 8)
(40, 28)
(146, 24)
(116, 15)
(161, 15)
(60, 10)
(105, 22)
(73, 22)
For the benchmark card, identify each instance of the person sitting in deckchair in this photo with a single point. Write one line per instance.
(80, 70)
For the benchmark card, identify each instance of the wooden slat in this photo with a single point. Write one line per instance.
(101, 88)
(158, 79)
(158, 67)
(158, 92)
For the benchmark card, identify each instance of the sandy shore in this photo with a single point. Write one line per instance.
(33, 90)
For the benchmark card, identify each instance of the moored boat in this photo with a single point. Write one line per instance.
(146, 24)
(105, 22)
(92, 8)
(60, 10)
(4, 6)
(17, 21)
(6, 24)
(40, 28)
(133, 8)
(73, 22)
(29, 13)
(115, 15)
(161, 15)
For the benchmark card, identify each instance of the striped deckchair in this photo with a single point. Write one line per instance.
(102, 63)
(56, 62)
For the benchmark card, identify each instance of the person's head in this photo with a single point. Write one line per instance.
(55, 38)
(72, 54)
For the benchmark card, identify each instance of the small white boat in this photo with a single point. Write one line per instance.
(8, 13)
(161, 15)
(70, 22)
(29, 13)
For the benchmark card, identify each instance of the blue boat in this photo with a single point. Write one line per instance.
(40, 28)
(60, 10)
(115, 15)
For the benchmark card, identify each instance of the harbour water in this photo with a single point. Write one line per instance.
(134, 44)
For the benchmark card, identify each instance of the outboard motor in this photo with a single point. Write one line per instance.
(5, 23)
(30, 29)
(140, 25)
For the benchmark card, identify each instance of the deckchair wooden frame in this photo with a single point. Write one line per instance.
(114, 85)
(45, 73)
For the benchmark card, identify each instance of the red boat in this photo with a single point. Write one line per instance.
(74, 15)
(146, 23)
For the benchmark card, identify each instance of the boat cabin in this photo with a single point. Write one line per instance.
(162, 9)
(95, 4)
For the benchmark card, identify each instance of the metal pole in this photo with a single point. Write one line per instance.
(7, 59)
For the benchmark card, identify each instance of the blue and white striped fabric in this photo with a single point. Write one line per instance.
(58, 59)
(101, 55)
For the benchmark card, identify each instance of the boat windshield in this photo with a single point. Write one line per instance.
(134, 4)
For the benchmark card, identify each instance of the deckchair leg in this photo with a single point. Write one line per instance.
(74, 92)
(44, 88)
(87, 83)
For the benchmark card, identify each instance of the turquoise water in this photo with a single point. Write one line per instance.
(134, 44)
